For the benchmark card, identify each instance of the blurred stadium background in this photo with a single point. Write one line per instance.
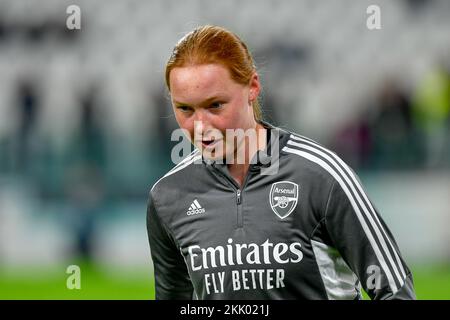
(85, 125)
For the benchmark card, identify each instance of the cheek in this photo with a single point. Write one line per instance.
(225, 121)
(234, 116)
(237, 117)
(185, 124)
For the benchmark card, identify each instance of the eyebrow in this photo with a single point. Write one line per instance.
(210, 99)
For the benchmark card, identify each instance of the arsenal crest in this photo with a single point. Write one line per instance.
(283, 198)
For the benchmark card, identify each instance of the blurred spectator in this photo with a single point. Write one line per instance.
(160, 146)
(353, 143)
(397, 144)
(90, 143)
(165, 123)
(86, 193)
(28, 109)
(384, 137)
(431, 110)
(84, 178)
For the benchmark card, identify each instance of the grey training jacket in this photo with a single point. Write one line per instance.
(300, 227)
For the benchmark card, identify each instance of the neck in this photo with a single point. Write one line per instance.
(237, 169)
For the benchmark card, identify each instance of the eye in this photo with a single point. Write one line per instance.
(216, 105)
(184, 108)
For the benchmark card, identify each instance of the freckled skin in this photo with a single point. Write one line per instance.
(192, 86)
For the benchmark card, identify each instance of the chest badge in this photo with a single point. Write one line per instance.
(283, 198)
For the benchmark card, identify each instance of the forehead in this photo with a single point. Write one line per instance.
(193, 82)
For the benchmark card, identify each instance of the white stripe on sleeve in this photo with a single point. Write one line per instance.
(364, 225)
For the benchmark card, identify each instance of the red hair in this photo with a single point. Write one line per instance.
(215, 45)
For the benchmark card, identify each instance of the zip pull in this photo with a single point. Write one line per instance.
(238, 195)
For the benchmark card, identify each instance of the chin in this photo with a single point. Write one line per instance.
(214, 156)
(218, 156)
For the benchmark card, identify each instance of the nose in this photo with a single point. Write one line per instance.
(199, 115)
(201, 123)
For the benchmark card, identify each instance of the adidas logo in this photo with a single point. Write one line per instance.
(195, 208)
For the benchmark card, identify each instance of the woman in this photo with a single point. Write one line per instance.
(267, 214)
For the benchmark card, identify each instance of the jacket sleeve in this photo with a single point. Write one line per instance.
(365, 243)
(172, 280)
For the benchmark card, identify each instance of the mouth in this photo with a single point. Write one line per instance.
(208, 143)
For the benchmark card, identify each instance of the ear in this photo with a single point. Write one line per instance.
(255, 88)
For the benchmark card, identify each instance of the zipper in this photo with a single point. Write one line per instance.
(238, 192)
(240, 222)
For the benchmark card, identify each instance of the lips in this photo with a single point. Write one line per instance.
(207, 143)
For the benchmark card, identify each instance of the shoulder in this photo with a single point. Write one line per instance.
(307, 154)
(174, 176)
